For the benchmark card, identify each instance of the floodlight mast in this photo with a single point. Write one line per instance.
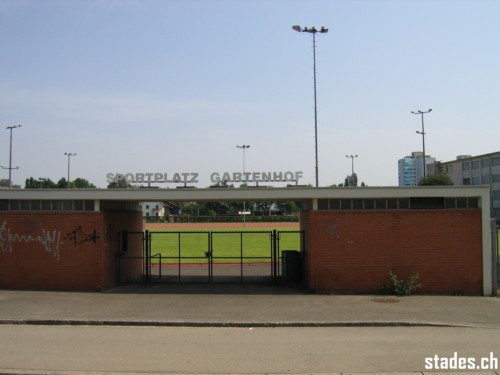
(352, 163)
(10, 168)
(419, 112)
(244, 147)
(313, 30)
(69, 155)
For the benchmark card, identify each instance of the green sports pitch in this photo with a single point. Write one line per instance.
(221, 245)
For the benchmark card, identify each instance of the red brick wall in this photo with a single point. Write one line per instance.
(123, 268)
(353, 252)
(61, 250)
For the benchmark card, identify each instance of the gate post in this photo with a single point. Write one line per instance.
(494, 256)
(147, 256)
(275, 256)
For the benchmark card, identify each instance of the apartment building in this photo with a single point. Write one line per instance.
(475, 170)
(411, 168)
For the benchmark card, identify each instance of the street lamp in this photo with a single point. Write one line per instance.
(69, 155)
(244, 147)
(313, 31)
(419, 112)
(10, 168)
(352, 166)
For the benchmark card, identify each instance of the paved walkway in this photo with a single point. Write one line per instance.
(241, 305)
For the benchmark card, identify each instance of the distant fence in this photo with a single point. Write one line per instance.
(222, 219)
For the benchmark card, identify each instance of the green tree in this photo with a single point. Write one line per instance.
(62, 183)
(40, 183)
(81, 183)
(436, 179)
(287, 207)
(120, 184)
(263, 208)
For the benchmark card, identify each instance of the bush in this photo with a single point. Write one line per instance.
(400, 287)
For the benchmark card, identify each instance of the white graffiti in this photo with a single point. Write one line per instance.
(50, 240)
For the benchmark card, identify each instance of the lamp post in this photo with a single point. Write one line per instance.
(352, 166)
(244, 147)
(313, 31)
(69, 155)
(10, 168)
(419, 112)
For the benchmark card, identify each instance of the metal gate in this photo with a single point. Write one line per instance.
(217, 257)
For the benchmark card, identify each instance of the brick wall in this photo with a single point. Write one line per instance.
(353, 252)
(61, 250)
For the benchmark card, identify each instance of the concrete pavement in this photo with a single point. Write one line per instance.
(241, 306)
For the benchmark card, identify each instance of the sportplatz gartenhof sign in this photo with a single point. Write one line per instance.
(215, 177)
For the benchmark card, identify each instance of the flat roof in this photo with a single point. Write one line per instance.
(243, 194)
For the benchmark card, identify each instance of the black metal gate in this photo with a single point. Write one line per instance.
(218, 256)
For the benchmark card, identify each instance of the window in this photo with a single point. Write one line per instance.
(467, 181)
(450, 203)
(4, 205)
(334, 204)
(461, 203)
(472, 203)
(380, 204)
(495, 160)
(369, 204)
(345, 204)
(357, 204)
(485, 163)
(403, 204)
(475, 164)
(398, 203)
(322, 204)
(392, 204)
(465, 166)
(426, 203)
(476, 180)
(486, 179)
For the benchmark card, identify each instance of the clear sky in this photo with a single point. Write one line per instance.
(174, 86)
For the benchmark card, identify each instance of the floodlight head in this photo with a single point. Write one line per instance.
(323, 29)
(297, 28)
(430, 110)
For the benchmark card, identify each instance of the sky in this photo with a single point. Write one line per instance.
(143, 86)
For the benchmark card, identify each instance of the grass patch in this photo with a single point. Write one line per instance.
(226, 245)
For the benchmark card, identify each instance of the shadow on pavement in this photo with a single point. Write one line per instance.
(227, 289)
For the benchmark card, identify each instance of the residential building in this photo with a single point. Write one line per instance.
(475, 170)
(152, 209)
(411, 168)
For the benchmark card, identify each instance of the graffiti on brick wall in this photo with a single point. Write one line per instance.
(79, 236)
(50, 240)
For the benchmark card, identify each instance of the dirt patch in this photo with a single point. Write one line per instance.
(221, 225)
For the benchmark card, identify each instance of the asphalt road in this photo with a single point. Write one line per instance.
(237, 350)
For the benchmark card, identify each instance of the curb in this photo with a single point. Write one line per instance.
(133, 323)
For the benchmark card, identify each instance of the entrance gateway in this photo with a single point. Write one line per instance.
(256, 256)
(69, 239)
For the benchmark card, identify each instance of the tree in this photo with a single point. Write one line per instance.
(40, 183)
(81, 183)
(120, 184)
(436, 179)
(351, 180)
